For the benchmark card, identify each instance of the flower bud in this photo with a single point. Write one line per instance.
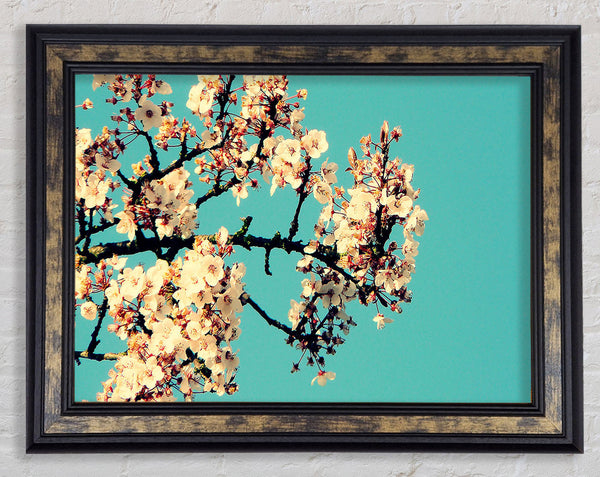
(385, 130)
(352, 157)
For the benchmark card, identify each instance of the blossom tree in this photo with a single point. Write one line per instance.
(180, 315)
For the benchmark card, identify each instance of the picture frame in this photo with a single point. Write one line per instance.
(548, 55)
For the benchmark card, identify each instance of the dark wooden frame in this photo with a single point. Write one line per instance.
(549, 55)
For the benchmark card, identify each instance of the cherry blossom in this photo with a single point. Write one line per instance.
(381, 321)
(322, 378)
(149, 114)
(315, 143)
(101, 79)
(179, 314)
(89, 310)
(416, 222)
(202, 95)
(126, 223)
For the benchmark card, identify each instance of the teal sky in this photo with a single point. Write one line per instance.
(466, 335)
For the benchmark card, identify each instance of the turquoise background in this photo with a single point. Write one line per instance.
(466, 335)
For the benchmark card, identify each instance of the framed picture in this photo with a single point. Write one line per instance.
(293, 238)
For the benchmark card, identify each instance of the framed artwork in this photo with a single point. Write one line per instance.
(293, 238)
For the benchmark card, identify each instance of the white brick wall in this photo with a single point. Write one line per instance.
(14, 14)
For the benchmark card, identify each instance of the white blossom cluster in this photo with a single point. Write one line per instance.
(357, 224)
(164, 205)
(95, 165)
(178, 319)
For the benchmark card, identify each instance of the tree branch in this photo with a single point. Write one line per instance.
(127, 182)
(246, 299)
(223, 98)
(217, 190)
(139, 244)
(294, 224)
(379, 238)
(88, 237)
(296, 334)
(154, 163)
(98, 356)
(303, 194)
(80, 220)
(150, 244)
(94, 341)
(95, 229)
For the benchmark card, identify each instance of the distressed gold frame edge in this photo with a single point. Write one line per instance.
(548, 424)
